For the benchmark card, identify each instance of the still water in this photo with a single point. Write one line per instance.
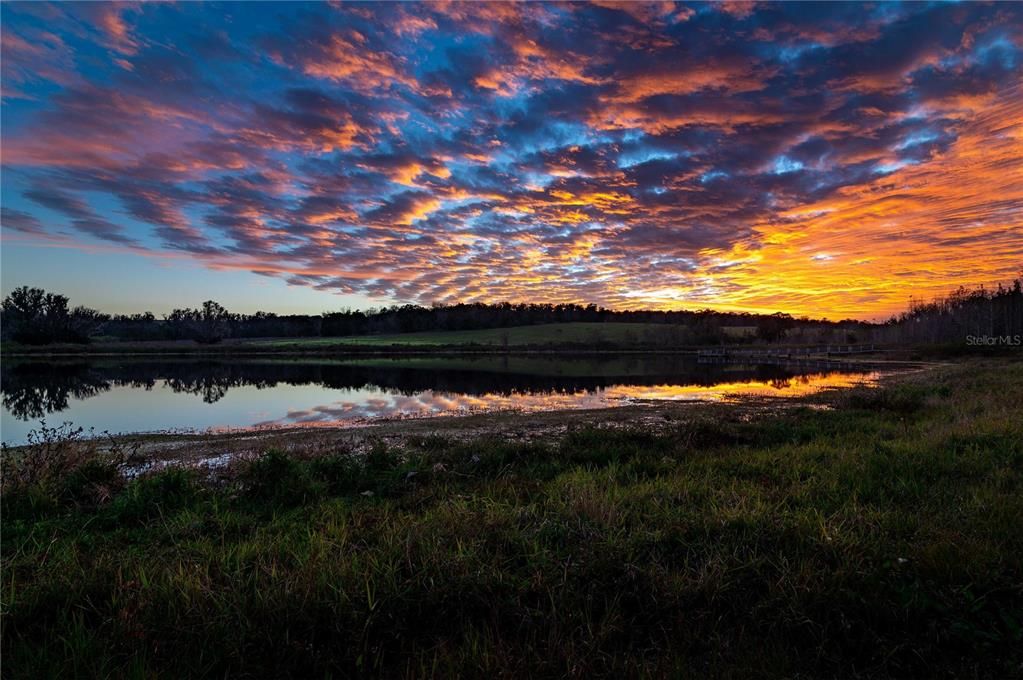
(134, 395)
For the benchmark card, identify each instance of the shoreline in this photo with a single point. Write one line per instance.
(312, 346)
(189, 448)
(455, 351)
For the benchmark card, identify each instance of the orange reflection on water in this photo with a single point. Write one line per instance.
(427, 403)
(797, 386)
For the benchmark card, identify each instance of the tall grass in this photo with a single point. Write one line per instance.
(878, 539)
(62, 467)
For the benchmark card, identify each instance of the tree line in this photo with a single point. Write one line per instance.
(979, 317)
(34, 316)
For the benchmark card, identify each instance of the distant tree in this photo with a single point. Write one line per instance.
(996, 314)
(209, 324)
(772, 328)
(144, 326)
(179, 323)
(35, 317)
(24, 311)
(213, 323)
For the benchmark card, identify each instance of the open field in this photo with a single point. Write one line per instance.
(541, 334)
(525, 364)
(564, 338)
(876, 537)
(567, 335)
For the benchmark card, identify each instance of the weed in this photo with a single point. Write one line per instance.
(60, 467)
(277, 479)
(157, 495)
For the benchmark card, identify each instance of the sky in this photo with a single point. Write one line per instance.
(829, 160)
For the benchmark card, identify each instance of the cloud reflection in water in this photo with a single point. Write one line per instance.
(433, 403)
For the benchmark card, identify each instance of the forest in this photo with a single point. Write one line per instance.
(980, 316)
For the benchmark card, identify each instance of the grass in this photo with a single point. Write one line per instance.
(579, 333)
(877, 539)
(525, 364)
(564, 336)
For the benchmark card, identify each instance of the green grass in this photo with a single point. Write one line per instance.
(525, 364)
(581, 333)
(571, 336)
(878, 539)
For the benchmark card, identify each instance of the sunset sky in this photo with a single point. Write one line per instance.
(819, 159)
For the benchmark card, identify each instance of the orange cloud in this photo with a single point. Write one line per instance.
(919, 231)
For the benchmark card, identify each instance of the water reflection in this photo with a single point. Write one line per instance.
(152, 395)
(430, 402)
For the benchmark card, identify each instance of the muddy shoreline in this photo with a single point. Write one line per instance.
(357, 438)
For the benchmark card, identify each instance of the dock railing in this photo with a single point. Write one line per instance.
(819, 351)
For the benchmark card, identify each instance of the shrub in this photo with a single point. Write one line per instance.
(279, 479)
(903, 400)
(340, 474)
(155, 495)
(62, 466)
(381, 458)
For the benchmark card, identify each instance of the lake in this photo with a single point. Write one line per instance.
(121, 395)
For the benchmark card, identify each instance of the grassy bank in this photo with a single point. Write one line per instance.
(881, 538)
(579, 333)
(592, 336)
